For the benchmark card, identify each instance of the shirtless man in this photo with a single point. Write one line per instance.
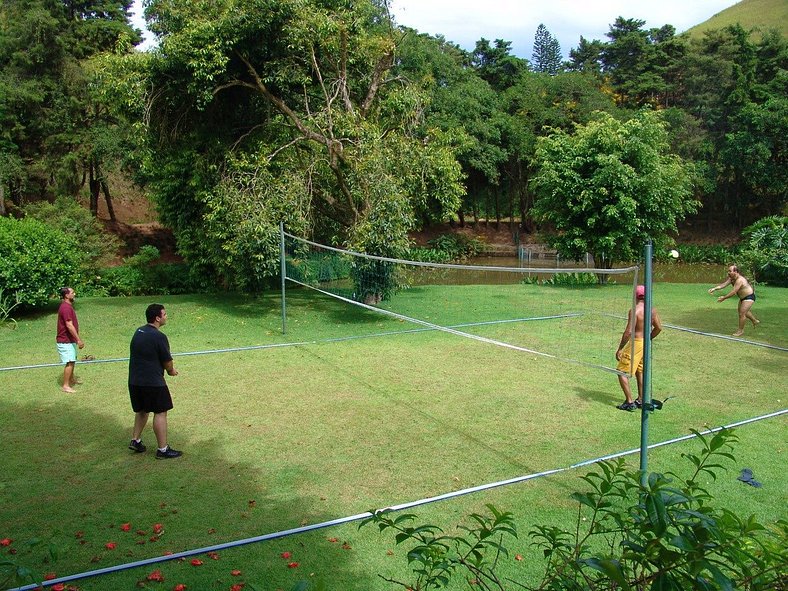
(624, 351)
(743, 289)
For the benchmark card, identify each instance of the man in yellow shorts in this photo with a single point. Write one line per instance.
(629, 359)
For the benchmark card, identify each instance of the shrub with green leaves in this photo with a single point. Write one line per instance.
(662, 532)
(765, 250)
(68, 216)
(36, 260)
(141, 275)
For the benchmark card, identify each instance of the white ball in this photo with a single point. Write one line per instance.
(674, 254)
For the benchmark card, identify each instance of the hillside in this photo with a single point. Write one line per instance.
(751, 14)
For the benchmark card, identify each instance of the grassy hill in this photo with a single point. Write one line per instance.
(751, 14)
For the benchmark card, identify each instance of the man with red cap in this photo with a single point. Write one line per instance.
(629, 359)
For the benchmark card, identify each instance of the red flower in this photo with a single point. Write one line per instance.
(179, 587)
(125, 527)
(518, 557)
(59, 587)
(292, 565)
(196, 562)
(285, 555)
(333, 540)
(49, 576)
(156, 576)
(213, 555)
(157, 528)
(237, 587)
(6, 542)
(79, 534)
(346, 546)
(110, 545)
(235, 573)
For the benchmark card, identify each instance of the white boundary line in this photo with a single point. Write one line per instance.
(302, 343)
(365, 515)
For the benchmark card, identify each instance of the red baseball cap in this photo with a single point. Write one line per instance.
(640, 292)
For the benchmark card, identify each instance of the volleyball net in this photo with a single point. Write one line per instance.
(569, 314)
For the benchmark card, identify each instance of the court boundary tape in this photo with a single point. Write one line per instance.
(301, 343)
(367, 514)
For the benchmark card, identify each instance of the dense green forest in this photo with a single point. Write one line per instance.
(328, 115)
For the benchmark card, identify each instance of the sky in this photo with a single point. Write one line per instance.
(466, 21)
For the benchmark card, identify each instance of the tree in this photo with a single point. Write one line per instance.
(461, 103)
(44, 107)
(587, 56)
(546, 56)
(610, 186)
(536, 104)
(269, 110)
(496, 65)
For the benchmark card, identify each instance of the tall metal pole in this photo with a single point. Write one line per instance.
(646, 407)
(282, 271)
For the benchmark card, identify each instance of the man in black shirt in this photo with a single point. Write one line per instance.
(149, 358)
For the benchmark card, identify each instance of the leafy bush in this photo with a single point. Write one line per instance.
(765, 250)
(704, 253)
(448, 248)
(318, 267)
(36, 260)
(564, 280)
(68, 216)
(138, 275)
(658, 533)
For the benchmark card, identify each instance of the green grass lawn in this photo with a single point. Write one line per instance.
(281, 437)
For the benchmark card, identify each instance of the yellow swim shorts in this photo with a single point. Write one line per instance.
(626, 363)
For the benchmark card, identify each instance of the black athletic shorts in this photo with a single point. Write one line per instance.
(150, 398)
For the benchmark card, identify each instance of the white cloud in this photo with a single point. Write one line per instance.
(466, 21)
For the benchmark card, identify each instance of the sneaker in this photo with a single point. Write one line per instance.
(137, 446)
(638, 404)
(168, 453)
(628, 406)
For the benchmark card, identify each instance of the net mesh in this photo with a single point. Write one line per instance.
(562, 313)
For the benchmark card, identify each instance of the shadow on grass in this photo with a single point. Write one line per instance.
(69, 478)
(607, 397)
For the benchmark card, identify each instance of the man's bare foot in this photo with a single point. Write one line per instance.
(68, 389)
(756, 322)
(738, 333)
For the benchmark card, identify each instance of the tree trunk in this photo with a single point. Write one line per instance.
(105, 189)
(461, 215)
(2, 200)
(497, 196)
(95, 187)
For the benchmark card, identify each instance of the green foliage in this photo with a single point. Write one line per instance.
(435, 556)
(547, 52)
(698, 253)
(36, 260)
(448, 248)
(609, 187)
(318, 267)
(7, 305)
(50, 121)
(140, 275)
(660, 532)
(565, 280)
(68, 216)
(289, 120)
(765, 250)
